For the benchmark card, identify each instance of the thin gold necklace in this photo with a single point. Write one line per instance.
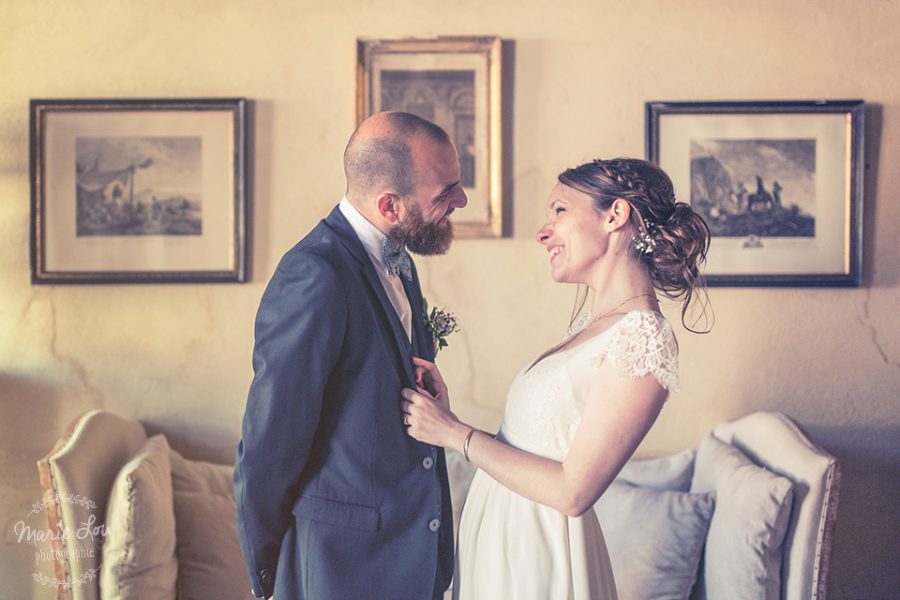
(607, 313)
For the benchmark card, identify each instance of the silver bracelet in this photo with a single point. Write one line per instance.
(466, 444)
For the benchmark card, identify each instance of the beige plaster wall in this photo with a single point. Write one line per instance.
(178, 356)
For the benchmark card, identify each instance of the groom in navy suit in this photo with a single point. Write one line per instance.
(334, 500)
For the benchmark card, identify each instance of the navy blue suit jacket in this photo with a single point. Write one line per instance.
(334, 499)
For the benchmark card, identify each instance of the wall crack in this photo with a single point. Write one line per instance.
(79, 370)
(873, 332)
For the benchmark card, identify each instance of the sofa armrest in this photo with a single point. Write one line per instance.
(76, 477)
(773, 441)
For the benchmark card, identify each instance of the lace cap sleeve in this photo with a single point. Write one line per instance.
(642, 343)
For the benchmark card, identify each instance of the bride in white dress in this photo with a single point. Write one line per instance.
(575, 415)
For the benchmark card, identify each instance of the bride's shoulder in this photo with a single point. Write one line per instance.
(642, 342)
(645, 322)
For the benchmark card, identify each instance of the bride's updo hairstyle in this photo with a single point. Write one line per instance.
(671, 240)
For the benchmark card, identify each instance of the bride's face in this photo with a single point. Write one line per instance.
(574, 235)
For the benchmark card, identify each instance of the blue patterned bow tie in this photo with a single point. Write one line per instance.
(396, 259)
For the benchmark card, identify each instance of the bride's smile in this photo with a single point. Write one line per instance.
(573, 235)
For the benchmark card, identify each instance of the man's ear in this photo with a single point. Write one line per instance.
(388, 206)
(618, 214)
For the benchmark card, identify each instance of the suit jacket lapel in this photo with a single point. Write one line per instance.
(424, 343)
(339, 224)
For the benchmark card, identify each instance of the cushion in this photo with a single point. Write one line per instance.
(200, 476)
(654, 538)
(745, 543)
(210, 564)
(139, 549)
(664, 473)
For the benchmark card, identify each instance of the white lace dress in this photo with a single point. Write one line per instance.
(513, 548)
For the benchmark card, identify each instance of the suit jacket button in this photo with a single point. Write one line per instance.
(265, 577)
(434, 524)
(427, 462)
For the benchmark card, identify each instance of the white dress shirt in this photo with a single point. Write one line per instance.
(371, 238)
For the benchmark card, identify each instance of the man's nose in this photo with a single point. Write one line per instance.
(459, 199)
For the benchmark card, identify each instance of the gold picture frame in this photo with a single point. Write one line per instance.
(456, 83)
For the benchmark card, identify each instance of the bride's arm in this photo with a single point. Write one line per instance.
(619, 412)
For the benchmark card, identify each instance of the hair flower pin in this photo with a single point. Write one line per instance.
(644, 241)
(440, 324)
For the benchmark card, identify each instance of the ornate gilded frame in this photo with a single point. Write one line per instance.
(456, 83)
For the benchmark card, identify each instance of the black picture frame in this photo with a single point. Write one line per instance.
(139, 190)
(806, 231)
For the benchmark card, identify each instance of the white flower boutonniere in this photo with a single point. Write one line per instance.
(440, 324)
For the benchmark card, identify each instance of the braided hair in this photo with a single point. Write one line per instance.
(671, 239)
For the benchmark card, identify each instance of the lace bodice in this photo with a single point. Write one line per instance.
(545, 402)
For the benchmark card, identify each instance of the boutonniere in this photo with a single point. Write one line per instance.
(440, 324)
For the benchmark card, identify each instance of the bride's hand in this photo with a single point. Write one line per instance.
(430, 420)
(428, 376)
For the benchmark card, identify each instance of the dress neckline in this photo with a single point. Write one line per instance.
(561, 348)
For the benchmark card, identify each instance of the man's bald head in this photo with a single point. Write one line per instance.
(379, 155)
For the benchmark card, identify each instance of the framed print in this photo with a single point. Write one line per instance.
(454, 82)
(780, 185)
(138, 191)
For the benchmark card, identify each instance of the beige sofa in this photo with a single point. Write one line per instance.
(748, 514)
(161, 526)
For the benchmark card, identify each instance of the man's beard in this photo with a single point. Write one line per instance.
(420, 237)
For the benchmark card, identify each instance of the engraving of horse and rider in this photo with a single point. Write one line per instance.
(776, 203)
